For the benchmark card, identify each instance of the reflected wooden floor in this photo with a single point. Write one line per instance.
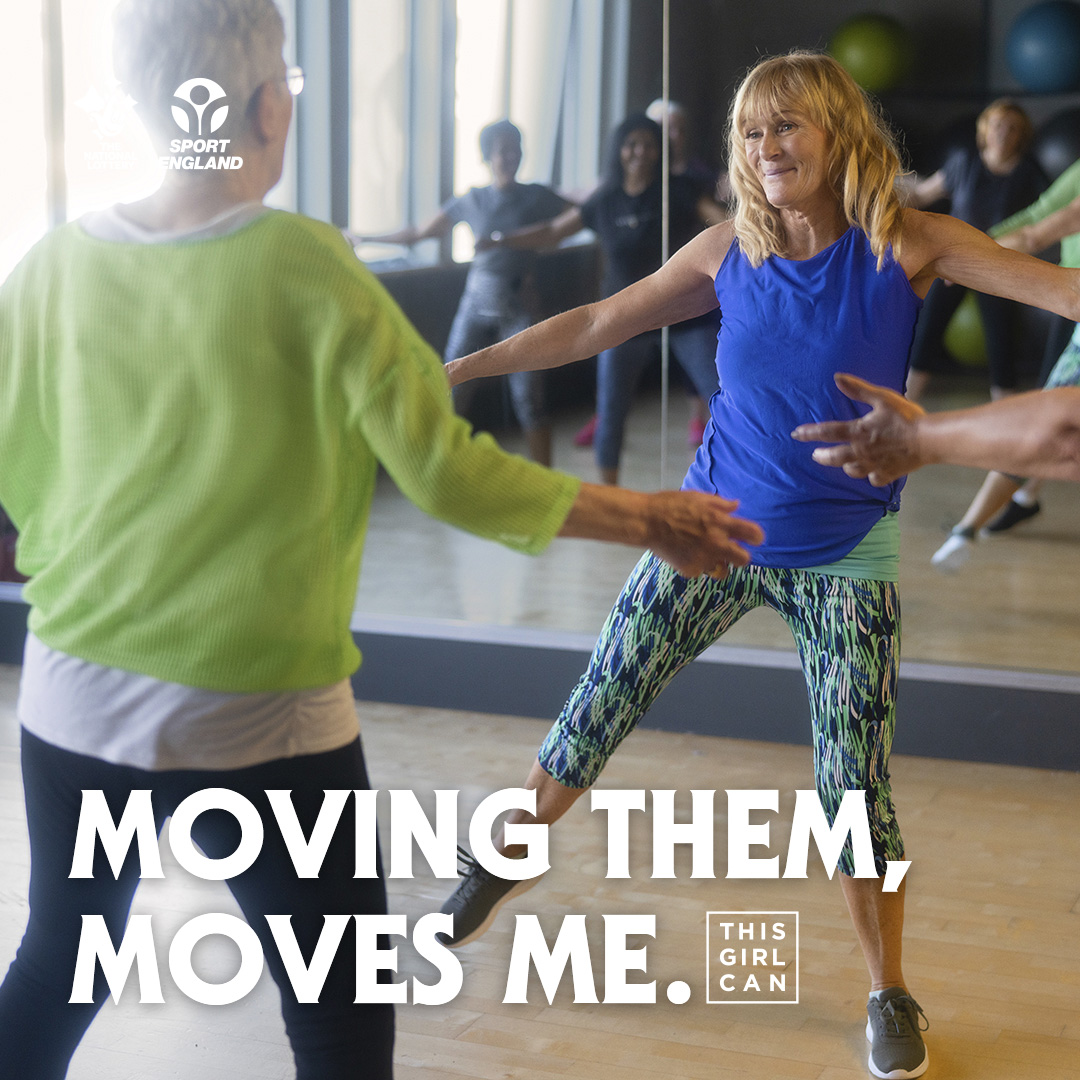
(1017, 604)
(992, 938)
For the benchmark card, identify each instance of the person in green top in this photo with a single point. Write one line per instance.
(195, 392)
(1005, 500)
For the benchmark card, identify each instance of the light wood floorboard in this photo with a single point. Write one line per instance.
(992, 942)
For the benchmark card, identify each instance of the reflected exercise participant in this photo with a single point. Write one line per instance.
(984, 184)
(1005, 499)
(626, 213)
(500, 297)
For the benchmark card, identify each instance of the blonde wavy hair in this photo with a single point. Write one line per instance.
(863, 158)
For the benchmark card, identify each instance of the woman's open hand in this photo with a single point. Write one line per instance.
(881, 446)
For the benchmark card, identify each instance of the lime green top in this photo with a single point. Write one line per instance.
(189, 435)
(1060, 193)
(876, 557)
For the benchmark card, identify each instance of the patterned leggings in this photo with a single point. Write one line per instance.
(1066, 372)
(848, 635)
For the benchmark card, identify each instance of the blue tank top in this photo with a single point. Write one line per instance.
(785, 328)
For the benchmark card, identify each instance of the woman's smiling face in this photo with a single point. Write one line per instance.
(789, 155)
(639, 155)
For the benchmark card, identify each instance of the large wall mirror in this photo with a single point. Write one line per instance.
(1012, 606)
(424, 75)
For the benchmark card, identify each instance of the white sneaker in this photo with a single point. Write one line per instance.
(953, 554)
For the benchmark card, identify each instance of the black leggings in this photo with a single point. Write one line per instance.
(1000, 319)
(332, 1040)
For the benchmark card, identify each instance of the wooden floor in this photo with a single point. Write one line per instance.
(992, 942)
(1016, 605)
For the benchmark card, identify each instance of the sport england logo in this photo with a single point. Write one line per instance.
(197, 113)
(198, 95)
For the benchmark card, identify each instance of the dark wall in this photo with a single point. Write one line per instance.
(959, 65)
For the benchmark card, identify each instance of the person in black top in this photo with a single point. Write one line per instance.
(985, 184)
(682, 161)
(625, 214)
(500, 296)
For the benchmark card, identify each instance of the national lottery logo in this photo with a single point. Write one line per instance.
(199, 109)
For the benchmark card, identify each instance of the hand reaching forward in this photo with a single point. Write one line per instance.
(881, 446)
(694, 532)
(697, 533)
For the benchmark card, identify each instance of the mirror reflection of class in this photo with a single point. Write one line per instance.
(396, 107)
(997, 611)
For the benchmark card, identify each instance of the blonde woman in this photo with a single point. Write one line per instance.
(820, 269)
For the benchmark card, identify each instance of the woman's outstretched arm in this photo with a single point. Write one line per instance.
(679, 290)
(938, 246)
(544, 234)
(439, 225)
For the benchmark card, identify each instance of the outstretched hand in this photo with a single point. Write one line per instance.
(881, 446)
(696, 533)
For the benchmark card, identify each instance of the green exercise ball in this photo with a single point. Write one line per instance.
(875, 50)
(964, 336)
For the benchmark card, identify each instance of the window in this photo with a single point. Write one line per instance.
(378, 117)
(427, 75)
(510, 63)
(108, 157)
(23, 192)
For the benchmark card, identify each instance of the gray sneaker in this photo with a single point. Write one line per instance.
(897, 1051)
(477, 899)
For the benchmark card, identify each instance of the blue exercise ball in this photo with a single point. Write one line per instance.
(875, 50)
(1043, 47)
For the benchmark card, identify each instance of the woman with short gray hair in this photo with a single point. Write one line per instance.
(157, 47)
